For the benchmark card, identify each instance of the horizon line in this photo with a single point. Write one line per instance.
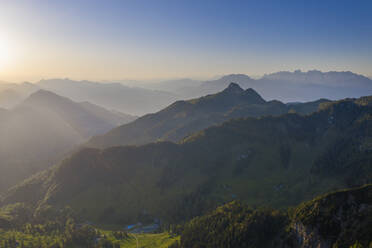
(194, 78)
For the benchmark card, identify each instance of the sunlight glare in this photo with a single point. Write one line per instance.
(5, 51)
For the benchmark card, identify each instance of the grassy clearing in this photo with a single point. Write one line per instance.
(158, 240)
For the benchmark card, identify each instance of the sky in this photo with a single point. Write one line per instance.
(150, 39)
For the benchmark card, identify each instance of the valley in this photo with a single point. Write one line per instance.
(185, 124)
(273, 161)
(233, 147)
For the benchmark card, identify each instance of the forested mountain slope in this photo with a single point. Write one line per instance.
(339, 219)
(273, 161)
(183, 118)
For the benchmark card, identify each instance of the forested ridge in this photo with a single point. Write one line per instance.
(269, 161)
(184, 118)
(339, 219)
(263, 165)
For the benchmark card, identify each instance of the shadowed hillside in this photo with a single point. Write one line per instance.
(340, 219)
(274, 161)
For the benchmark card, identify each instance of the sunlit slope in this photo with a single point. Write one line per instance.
(43, 128)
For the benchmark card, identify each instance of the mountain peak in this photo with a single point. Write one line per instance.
(236, 93)
(234, 88)
(45, 97)
(43, 93)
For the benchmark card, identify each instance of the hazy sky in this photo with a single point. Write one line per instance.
(107, 40)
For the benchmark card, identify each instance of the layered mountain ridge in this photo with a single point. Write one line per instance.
(271, 161)
(183, 118)
(142, 97)
(43, 128)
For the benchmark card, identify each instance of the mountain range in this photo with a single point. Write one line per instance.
(228, 169)
(269, 161)
(142, 97)
(112, 96)
(43, 128)
(298, 86)
(12, 94)
(183, 118)
(132, 100)
(64, 124)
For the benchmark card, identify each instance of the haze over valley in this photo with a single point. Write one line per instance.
(117, 133)
(149, 97)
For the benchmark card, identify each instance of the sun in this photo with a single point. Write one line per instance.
(5, 51)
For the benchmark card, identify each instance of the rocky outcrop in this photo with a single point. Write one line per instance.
(307, 237)
(338, 219)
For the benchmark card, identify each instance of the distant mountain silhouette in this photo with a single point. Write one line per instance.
(113, 96)
(339, 79)
(86, 118)
(292, 86)
(40, 130)
(184, 88)
(147, 97)
(131, 100)
(12, 94)
(183, 118)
